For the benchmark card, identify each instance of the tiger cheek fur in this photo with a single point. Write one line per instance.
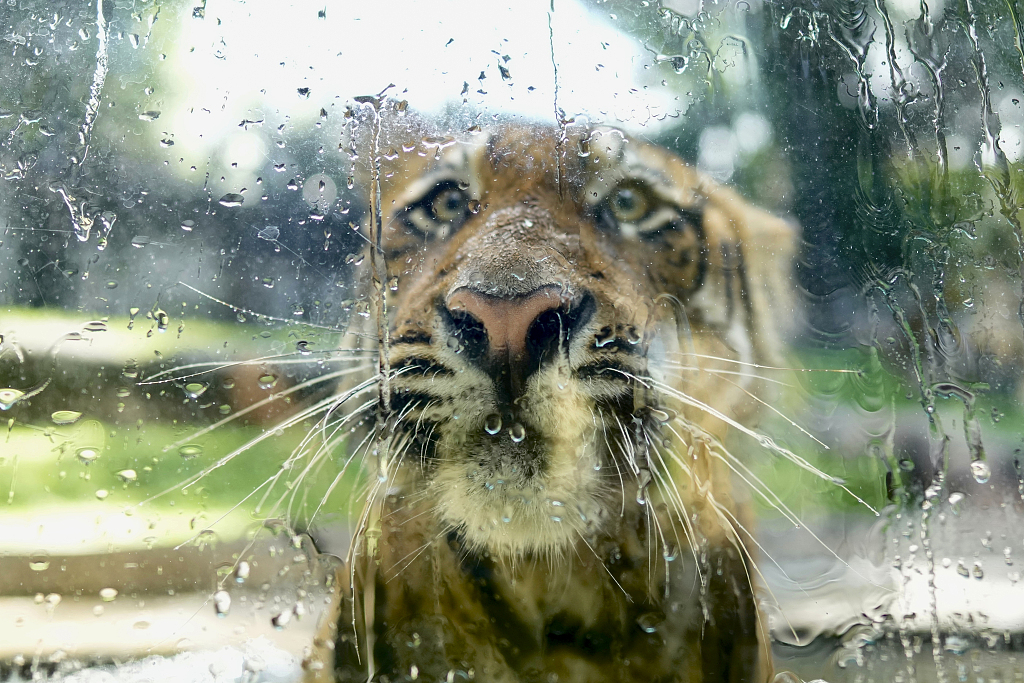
(551, 507)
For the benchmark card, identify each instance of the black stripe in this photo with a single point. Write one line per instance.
(412, 338)
(727, 269)
(400, 400)
(422, 366)
(620, 345)
(741, 269)
(606, 370)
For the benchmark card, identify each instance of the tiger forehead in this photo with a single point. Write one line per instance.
(590, 164)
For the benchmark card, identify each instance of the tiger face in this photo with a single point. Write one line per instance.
(556, 295)
(572, 316)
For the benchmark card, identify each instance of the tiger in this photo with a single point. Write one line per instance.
(571, 316)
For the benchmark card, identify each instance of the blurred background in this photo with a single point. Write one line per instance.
(179, 262)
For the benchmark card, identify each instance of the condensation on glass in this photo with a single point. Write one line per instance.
(190, 275)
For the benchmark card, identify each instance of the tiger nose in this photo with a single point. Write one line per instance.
(506, 323)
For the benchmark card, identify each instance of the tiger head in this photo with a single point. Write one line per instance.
(564, 298)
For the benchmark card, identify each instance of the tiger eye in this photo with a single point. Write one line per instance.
(629, 204)
(449, 205)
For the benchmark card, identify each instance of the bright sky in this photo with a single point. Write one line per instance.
(250, 60)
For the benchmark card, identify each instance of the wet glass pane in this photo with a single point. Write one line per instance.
(573, 340)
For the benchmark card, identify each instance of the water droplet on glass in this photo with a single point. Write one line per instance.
(87, 455)
(149, 116)
(649, 622)
(517, 433)
(267, 381)
(492, 424)
(659, 415)
(222, 603)
(188, 226)
(231, 200)
(102, 494)
(281, 620)
(65, 417)
(195, 389)
(190, 450)
(8, 397)
(108, 594)
(39, 563)
(242, 572)
(269, 233)
(583, 147)
(981, 471)
(128, 475)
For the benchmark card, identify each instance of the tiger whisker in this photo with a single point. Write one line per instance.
(417, 552)
(335, 426)
(677, 501)
(269, 483)
(326, 446)
(325, 404)
(322, 405)
(688, 531)
(604, 566)
(278, 359)
(763, 439)
(746, 558)
(777, 412)
(238, 309)
(618, 469)
(360, 533)
(411, 518)
(259, 404)
(220, 519)
(763, 367)
(318, 457)
(736, 465)
(719, 372)
(627, 443)
(330, 489)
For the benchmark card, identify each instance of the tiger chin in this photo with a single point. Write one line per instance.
(572, 333)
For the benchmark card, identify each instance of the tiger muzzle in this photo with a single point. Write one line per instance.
(511, 338)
